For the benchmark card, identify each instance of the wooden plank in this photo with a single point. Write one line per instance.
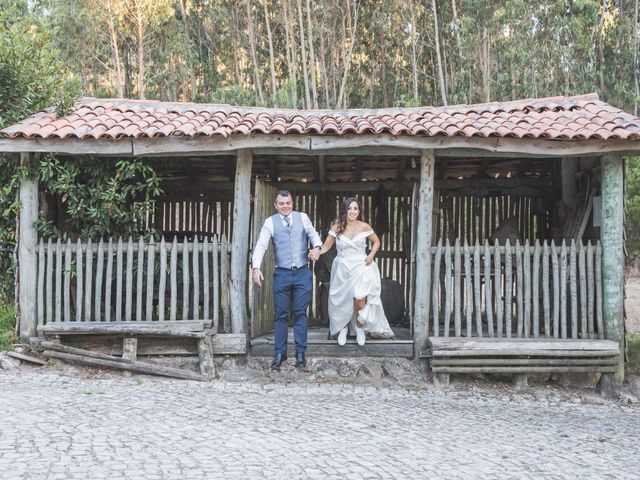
(508, 288)
(129, 282)
(477, 293)
(97, 299)
(497, 265)
(139, 279)
(40, 284)
(185, 279)
(573, 283)
(215, 252)
(556, 290)
(240, 241)
(527, 289)
(67, 282)
(177, 325)
(535, 290)
(88, 284)
(49, 283)
(79, 281)
(519, 290)
(488, 295)
(224, 290)
(58, 294)
(546, 303)
(447, 288)
(119, 275)
(151, 249)
(486, 362)
(550, 369)
(457, 293)
(452, 343)
(526, 352)
(468, 289)
(196, 279)
(173, 280)
(205, 278)
(205, 354)
(109, 281)
(436, 289)
(563, 290)
(134, 366)
(162, 280)
(423, 242)
(590, 291)
(582, 276)
(122, 328)
(599, 313)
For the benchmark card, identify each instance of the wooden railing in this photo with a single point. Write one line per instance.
(516, 290)
(115, 281)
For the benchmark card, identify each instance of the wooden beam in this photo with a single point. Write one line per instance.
(27, 243)
(423, 256)
(402, 166)
(357, 173)
(273, 169)
(72, 146)
(321, 169)
(240, 243)
(612, 238)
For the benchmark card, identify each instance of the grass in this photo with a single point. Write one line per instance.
(633, 352)
(7, 326)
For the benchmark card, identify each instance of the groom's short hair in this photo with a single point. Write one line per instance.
(283, 193)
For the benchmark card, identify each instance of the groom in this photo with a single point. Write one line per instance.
(291, 233)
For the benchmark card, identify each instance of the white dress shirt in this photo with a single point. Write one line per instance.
(266, 234)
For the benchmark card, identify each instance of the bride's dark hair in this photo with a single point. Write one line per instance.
(342, 214)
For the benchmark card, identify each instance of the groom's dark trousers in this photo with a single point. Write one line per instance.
(291, 289)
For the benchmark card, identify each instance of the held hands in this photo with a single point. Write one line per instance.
(314, 254)
(369, 260)
(257, 276)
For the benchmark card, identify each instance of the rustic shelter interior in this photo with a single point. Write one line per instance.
(498, 222)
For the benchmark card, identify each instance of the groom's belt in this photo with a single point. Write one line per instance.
(292, 268)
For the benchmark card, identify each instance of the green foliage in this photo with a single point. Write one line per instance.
(632, 198)
(633, 352)
(100, 197)
(7, 325)
(234, 95)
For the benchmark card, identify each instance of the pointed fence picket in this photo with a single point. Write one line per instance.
(114, 280)
(520, 291)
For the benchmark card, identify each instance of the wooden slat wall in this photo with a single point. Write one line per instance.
(88, 286)
(540, 290)
(194, 217)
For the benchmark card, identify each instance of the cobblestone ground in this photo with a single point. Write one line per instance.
(56, 425)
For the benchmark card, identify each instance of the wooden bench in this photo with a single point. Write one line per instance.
(520, 356)
(130, 331)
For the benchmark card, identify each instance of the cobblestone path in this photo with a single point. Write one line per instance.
(60, 427)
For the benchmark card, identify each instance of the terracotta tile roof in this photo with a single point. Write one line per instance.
(558, 118)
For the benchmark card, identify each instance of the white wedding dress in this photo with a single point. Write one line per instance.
(352, 278)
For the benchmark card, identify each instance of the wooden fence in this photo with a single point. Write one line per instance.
(516, 290)
(115, 281)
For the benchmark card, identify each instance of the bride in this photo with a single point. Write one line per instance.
(354, 293)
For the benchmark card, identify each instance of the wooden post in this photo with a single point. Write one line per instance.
(27, 243)
(611, 235)
(423, 253)
(240, 243)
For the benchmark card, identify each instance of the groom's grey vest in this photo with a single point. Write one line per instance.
(289, 244)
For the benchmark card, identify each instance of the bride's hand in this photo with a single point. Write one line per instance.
(369, 260)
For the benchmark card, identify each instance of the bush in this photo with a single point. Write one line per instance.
(632, 196)
(7, 325)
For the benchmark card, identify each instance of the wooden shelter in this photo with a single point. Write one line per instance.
(501, 225)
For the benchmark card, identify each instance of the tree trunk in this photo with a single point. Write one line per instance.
(272, 62)
(601, 47)
(291, 49)
(141, 65)
(252, 54)
(635, 58)
(443, 91)
(414, 60)
(312, 59)
(323, 70)
(115, 51)
(342, 101)
(305, 73)
(187, 31)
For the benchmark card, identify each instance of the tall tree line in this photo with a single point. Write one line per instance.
(349, 53)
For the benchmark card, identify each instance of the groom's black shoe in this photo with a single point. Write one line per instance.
(277, 361)
(301, 362)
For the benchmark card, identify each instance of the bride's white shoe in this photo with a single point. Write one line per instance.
(360, 336)
(342, 336)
